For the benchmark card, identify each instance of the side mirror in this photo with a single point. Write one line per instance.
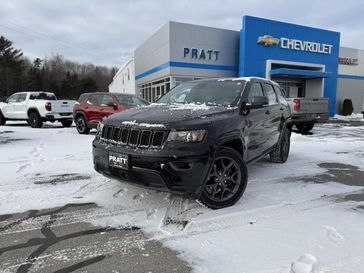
(111, 104)
(259, 102)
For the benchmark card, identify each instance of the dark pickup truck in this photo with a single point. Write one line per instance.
(197, 139)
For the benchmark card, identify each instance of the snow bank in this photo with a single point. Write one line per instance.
(352, 117)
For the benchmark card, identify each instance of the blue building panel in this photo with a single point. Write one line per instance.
(262, 40)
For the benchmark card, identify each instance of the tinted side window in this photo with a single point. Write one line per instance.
(269, 92)
(255, 90)
(127, 100)
(106, 99)
(81, 98)
(13, 98)
(22, 97)
(95, 100)
(280, 96)
(42, 96)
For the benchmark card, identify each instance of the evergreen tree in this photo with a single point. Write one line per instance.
(36, 76)
(88, 84)
(11, 68)
(70, 86)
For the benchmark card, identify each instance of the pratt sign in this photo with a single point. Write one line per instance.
(201, 54)
(294, 44)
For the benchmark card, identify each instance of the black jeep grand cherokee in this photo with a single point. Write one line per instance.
(198, 138)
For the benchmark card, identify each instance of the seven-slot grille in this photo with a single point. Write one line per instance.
(133, 137)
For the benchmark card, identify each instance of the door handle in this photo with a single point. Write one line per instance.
(267, 112)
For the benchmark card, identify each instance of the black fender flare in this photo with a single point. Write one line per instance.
(31, 110)
(79, 113)
(230, 137)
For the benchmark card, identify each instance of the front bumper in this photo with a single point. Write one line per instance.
(183, 175)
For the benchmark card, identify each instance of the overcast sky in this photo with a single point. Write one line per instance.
(106, 32)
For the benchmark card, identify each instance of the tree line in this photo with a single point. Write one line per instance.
(67, 79)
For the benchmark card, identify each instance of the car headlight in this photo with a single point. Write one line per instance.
(187, 136)
(99, 128)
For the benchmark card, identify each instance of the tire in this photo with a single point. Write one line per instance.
(226, 180)
(66, 122)
(2, 119)
(81, 125)
(305, 127)
(281, 151)
(35, 120)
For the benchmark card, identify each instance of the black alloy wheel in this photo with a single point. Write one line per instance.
(35, 120)
(81, 125)
(305, 127)
(226, 180)
(281, 151)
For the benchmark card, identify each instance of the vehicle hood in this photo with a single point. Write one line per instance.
(169, 115)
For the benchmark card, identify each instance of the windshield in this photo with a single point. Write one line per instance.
(209, 92)
(42, 96)
(131, 100)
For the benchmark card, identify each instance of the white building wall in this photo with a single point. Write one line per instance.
(124, 79)
(351, 87)
(356, 69)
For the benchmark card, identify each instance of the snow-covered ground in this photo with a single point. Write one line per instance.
(296, 217)
(352, 117)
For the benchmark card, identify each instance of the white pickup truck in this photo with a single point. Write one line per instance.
(307, 111)
(36, 107)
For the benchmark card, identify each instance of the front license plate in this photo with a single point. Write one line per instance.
(119, 161)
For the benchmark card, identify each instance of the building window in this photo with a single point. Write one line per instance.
(152, 90)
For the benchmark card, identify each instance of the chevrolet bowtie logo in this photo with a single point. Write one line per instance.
(268, 40)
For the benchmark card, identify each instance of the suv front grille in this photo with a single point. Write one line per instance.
(133, 137)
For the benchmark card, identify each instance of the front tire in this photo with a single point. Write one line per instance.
(226, 181)
(35, 120)
(281, 151)
(2, 119)
(305, 127)
(66, 122)
(81, 125)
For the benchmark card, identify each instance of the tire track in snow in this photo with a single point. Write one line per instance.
(180, 220)
(250, 217)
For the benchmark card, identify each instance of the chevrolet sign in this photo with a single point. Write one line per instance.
(294, 44)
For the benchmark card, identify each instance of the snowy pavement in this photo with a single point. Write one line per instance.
(306, 215)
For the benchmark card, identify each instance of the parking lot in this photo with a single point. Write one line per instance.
(58, 215)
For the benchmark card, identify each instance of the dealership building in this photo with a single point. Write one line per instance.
(305, 61)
